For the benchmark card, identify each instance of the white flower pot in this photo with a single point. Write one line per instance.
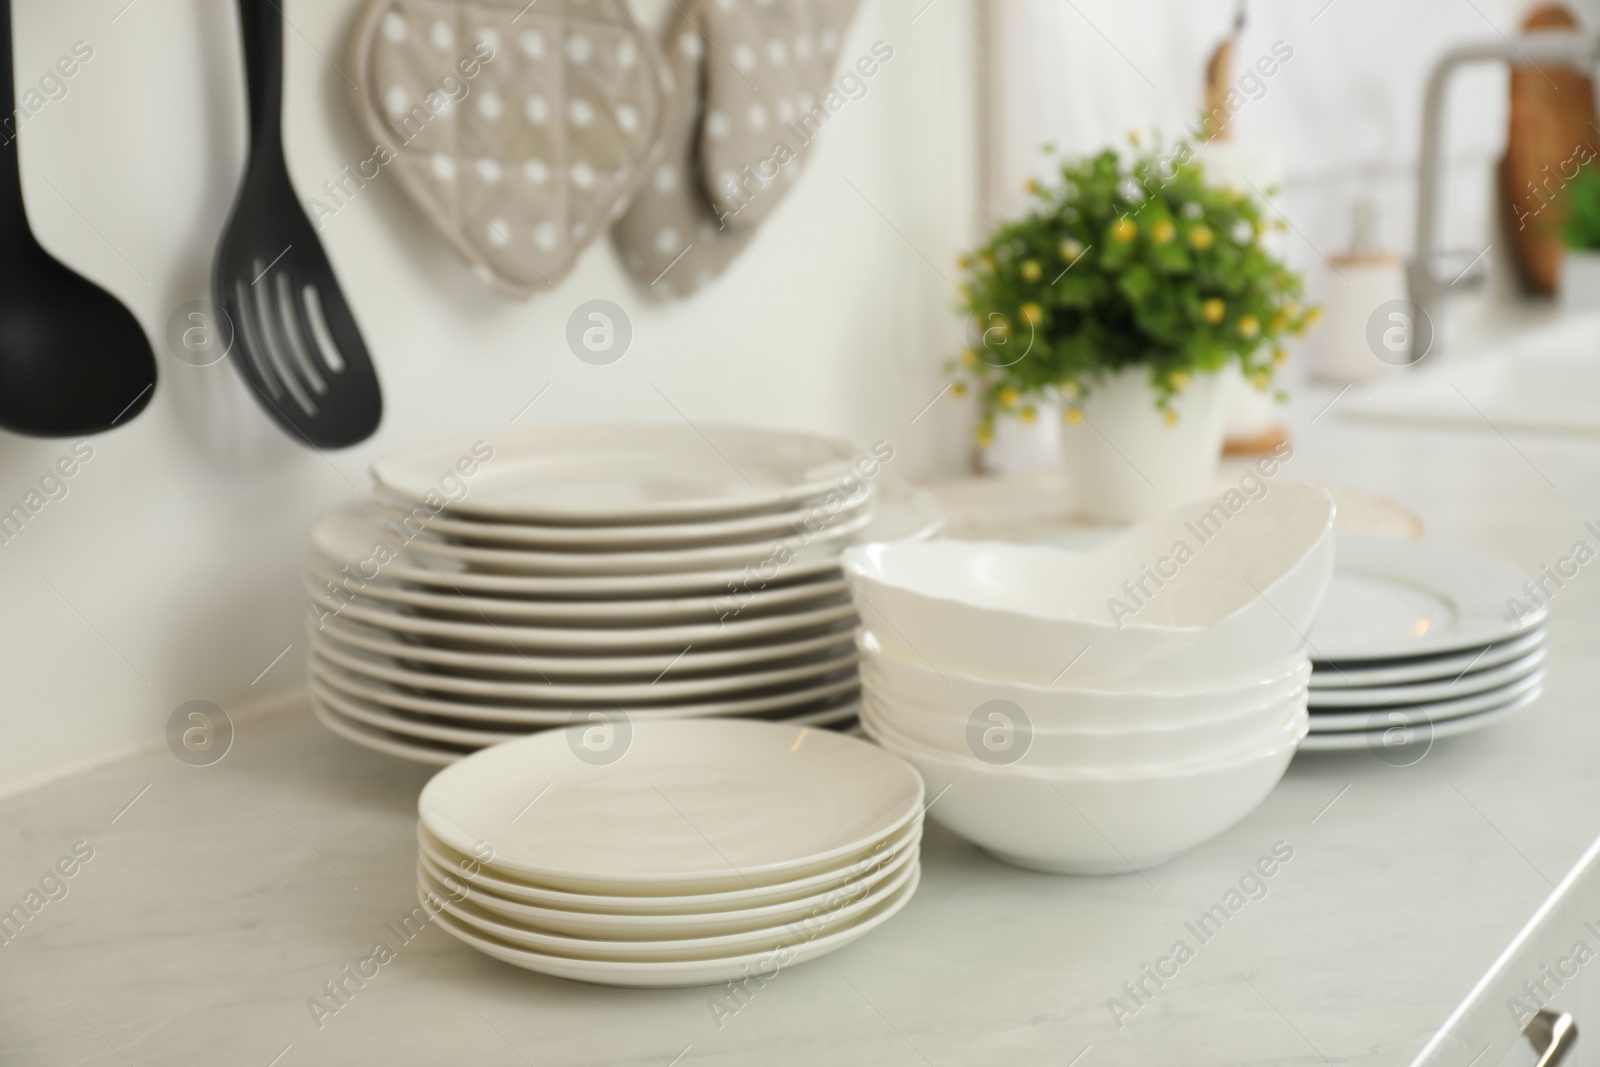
(1126, 463)
(1580, 280)
(1019, 446)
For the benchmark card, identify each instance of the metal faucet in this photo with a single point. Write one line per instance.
(1429, 284)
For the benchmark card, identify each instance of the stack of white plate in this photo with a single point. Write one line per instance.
(1417, 642)
(547, 576)
(716, 850)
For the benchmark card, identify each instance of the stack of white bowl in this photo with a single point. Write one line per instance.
(683, 853)
(547, 575)
(1098, 712)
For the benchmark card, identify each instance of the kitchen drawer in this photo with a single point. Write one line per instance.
(1553, 965)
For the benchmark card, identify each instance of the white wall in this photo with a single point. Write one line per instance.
(169, 572)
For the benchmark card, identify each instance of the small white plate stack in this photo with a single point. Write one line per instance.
(554, 575)
(1417, 642)
(683, 853)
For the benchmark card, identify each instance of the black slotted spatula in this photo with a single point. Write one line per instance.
(294, 337)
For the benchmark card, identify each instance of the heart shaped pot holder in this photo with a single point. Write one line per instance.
(519, 131)
(770, 64)
(677, 237)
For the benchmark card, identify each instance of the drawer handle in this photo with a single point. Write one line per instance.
(1552, 1037)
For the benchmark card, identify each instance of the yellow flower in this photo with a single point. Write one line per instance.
(958, 390)
(1031, 314)
(1032, 187)
(963, 262)
(1068, 389)
(1313, 316)
(986, 261)
(1213, 310)
(1031, 271)
(1292, 308)
(1201, 238)
(1008, 397)
(1178, 380)
(1249, 326)
(1278, 323)
(969, 358)
(1028, 414)
(1124, 229)
(1071, 249)
(1280, 356)
(1169, 417)
(1261, 379)
(1073, 416)
(1162, 232)
(984, 437)
(1133, 137)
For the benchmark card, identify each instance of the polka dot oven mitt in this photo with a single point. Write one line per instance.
(670, 239)
(768, 67)
(519, 131)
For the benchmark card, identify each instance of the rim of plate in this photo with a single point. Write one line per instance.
(1352, 740)
(1331, 675)
(795, 465)
(1437, 711)
(469, 788)
(1464, 685)
(906, 840)
(1476, 589)
(668, 973)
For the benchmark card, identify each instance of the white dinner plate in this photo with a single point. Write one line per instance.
(1463, 685)
(482, 875)
(846, 904)
(690, 806)
(681, 973)
(1426, 668)
(354, 535)
(438, 754)
(1353, 740)
(634, 538)
(1436, 711)
(531, 717)
(606, 475)
(648, 927)
(511, 665)
(663, 611)
(736, 630)
(665, 690)
(481, 560)
(825, 713)
(1392, 598)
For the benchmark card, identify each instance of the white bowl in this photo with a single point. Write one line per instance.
(998, 734)
(1082, 824)
(1202, 596)
(1076, 708)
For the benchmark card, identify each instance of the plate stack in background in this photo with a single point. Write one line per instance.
(1417, 642)
(716, 850)
(553, 575)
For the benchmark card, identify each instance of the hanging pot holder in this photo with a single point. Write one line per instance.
(769, 72)
(519, 131)
(670, 239)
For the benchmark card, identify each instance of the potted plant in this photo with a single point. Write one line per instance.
(1580, 232)
(1120, 296)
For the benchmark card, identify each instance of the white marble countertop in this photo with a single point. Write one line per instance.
(219, 900)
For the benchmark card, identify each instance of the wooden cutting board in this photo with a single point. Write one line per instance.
(1552, 124)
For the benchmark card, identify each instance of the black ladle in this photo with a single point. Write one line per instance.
(73, 360)
(294, 338)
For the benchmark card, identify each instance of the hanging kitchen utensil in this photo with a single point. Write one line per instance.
(73, 360)
(670, 238)
(769, 88)
(518, 131)
(295, 339)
